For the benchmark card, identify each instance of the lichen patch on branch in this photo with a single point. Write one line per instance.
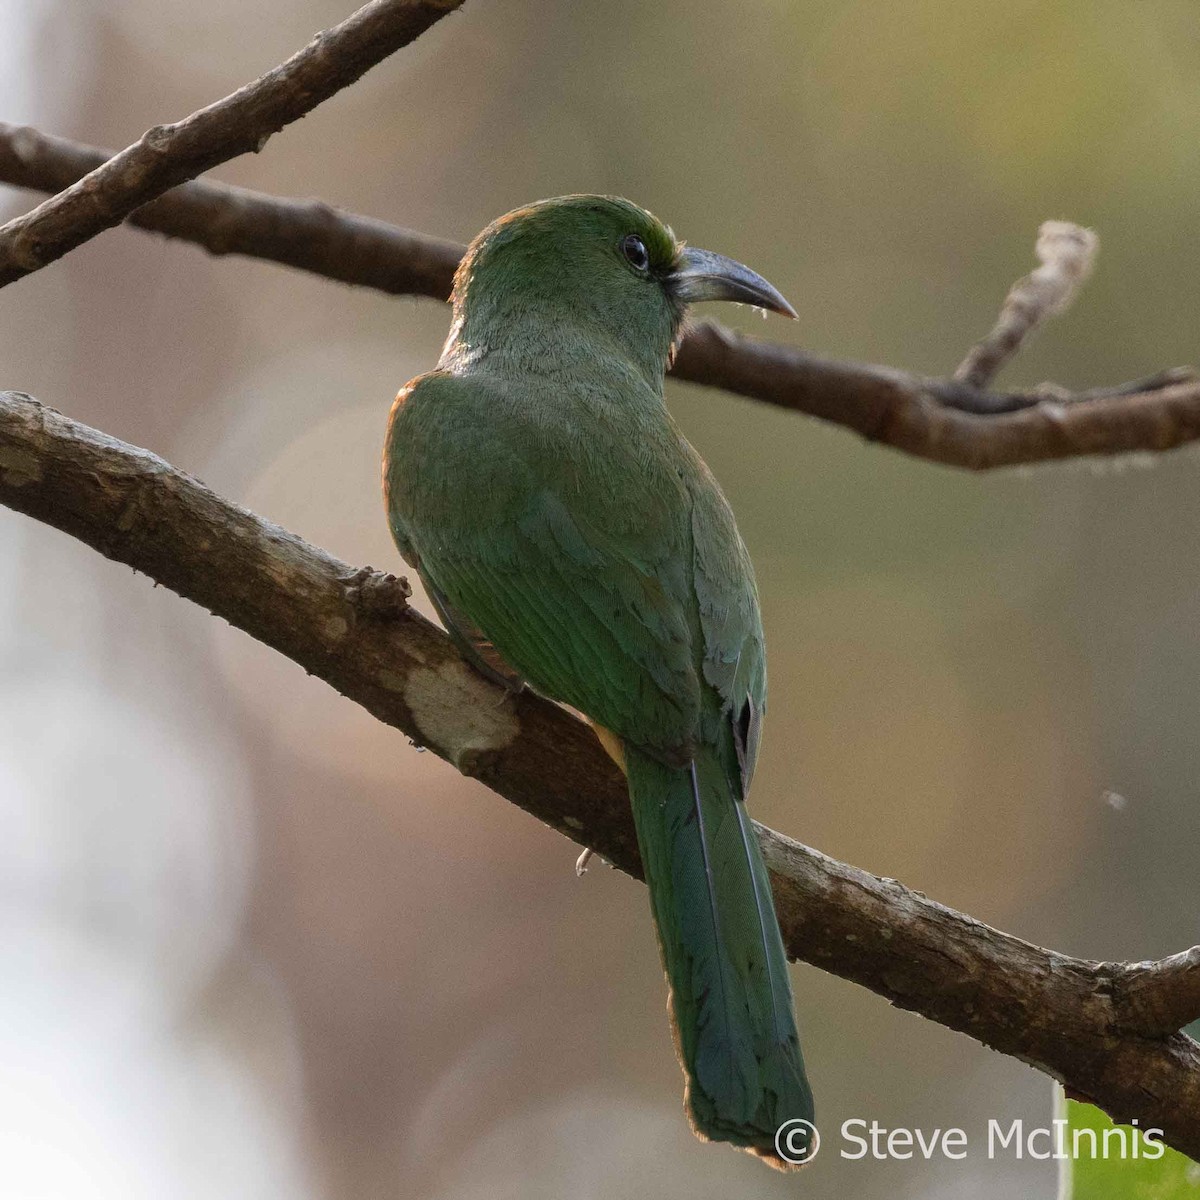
(459, 712)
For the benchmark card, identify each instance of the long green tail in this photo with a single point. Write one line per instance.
(731, 1000)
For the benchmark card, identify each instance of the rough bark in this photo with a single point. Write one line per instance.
(1106, 1030)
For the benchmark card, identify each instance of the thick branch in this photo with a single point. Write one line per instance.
(1106, 1030)
(240, 123)
(943, 420)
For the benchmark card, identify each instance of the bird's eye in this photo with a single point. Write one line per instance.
(635, 252)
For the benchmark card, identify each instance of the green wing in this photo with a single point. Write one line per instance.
(734, 660)
(574, 558)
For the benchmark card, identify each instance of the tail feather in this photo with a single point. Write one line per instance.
(731, 1000)
(724, 1058)
(783, 1022)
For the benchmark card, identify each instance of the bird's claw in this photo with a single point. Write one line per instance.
(378, 593)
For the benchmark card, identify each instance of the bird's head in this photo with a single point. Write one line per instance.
(592, 266)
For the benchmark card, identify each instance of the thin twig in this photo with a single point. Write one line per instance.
(941, 420)
(1067, 253)
(1105, 1029)
(239, 124)
(306, 234)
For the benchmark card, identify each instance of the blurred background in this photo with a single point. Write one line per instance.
(253, 944)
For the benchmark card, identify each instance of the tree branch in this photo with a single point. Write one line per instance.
(1160, 997)
(306, 234)
(1107, 1030)
(1067, 253)
(943, 420)
(240, 123)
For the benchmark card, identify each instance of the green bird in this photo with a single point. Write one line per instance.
(571, 538)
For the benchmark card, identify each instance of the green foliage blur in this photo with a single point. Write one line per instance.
(1120, 1176)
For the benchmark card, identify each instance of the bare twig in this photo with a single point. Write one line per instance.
(1107, 1030)
(1066, 252)
(240, 123)
(942, 420)
(306, 234)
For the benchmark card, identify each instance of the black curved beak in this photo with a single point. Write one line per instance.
(703, 275)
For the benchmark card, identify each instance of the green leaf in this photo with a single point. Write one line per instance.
(1089, 1174)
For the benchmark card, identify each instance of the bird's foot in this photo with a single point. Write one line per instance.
(581, 863)
(378, 593)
